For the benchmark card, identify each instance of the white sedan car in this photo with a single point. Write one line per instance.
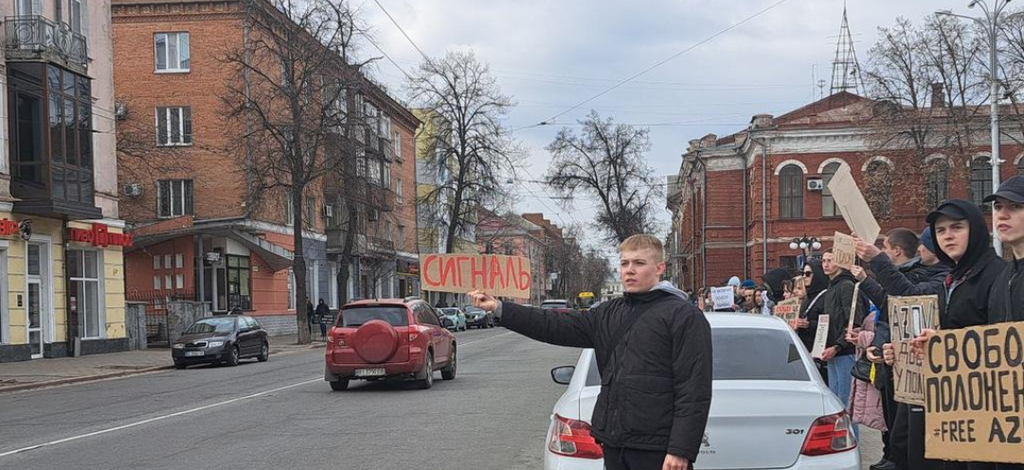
(769, 407)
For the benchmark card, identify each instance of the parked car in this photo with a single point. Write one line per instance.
(456, 316)
(560, 306)
(221, 339)
(478, 318)
(769, 407)
(389, 339)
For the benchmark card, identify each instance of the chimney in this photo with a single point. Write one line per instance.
(709, 141)
(762, 121)
(694, 145)
(938, 96)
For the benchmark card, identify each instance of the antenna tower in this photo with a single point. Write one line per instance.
(845, 68)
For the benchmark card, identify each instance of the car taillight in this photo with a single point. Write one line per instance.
(829, 435)
(572, 438)
(414, 332)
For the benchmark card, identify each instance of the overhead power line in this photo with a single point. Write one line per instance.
(663, 61)
(385, 10)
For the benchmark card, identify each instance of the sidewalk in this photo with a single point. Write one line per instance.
(41, 373)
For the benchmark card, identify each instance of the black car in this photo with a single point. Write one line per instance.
(477, 318)
(221, 339)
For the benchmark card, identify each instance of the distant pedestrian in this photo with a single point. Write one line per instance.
(323, 313)
(310, 315)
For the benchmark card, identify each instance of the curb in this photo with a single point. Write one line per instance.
(84, 378)
(125, 373)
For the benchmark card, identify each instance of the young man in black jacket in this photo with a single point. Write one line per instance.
(962, 241)
(653, 351)
(838, 304)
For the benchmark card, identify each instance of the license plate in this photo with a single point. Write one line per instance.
(194, 353)
(370, 372)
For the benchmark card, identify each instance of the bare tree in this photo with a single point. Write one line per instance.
(473, 150)
(606, 160)
(290, 95)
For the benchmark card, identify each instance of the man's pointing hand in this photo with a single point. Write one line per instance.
(483, 301)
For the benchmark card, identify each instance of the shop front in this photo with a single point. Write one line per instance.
(63, 292)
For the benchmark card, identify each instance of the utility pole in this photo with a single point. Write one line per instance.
(990, 24)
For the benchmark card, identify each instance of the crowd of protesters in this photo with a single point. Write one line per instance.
(951, 258)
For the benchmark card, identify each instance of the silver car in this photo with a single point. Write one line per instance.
(769, 407)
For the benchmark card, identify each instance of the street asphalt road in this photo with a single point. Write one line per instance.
(281, 415)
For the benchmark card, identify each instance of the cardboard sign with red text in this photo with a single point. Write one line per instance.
(788, 310)
(497, 275)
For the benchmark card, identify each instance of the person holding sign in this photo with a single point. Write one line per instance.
(815, 285)
(651, 339)
(962, 241)
(843, 310)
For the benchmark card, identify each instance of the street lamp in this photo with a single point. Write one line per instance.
(803, 243)
(990, 24)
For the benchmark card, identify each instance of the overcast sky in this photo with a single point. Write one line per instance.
(552, 54)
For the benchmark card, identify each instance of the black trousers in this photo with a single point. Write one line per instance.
(619, 458)
(889, 408)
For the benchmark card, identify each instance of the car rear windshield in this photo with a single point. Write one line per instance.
(756, 354)
(553, 305)
(355, 316)
(744, 354)
(212, 325)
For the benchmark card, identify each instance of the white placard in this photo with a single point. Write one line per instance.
(722, 297)
(820, 337)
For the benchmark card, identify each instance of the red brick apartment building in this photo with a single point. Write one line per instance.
(195, 239)
(739, 201)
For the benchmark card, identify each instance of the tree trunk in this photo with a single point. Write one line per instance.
(299, 269)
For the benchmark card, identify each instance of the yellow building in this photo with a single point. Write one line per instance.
(61, 259)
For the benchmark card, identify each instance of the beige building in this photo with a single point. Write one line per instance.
(61, 240)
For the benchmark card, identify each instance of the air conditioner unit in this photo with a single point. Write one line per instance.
(120, 111)
(815, 185)
(372, 214)
(328, 211)
(133, 189)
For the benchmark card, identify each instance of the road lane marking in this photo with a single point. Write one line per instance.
(484, 339)
(155, 419)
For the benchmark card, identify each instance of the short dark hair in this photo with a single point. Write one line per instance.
(904, 239)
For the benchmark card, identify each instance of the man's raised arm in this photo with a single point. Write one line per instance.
(572, 329)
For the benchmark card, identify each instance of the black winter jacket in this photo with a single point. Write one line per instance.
(837, 303)
(656, 387)
(811, 307)
(1006, 301)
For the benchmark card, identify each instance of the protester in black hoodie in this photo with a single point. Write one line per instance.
(815, 286)
(775, 291)
(962, 241)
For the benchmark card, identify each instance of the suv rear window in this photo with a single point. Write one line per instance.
(549, 305)
(353, 317)
(744, 354)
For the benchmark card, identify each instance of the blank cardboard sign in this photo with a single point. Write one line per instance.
(974, 386)
(853, 206)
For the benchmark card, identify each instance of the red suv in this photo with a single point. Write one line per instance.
(389, 339)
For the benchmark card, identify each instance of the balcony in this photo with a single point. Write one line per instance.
(380, 246)
(34, 38)
(336, 242)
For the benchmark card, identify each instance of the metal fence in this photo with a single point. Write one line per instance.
(156, 310)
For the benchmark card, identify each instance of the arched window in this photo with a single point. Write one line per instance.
(1020, 166)
(938, 183)
(791, 192)
(828, 205)
(879, 184)
(981, 179)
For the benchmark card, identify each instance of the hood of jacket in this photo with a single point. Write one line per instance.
(978, 246)
(774, 279)
(667, 286)
(843, 276)
(820, 281)
(660, 290)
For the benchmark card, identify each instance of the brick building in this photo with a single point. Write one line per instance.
(738, 201)
(514, 235)
(196, 239)
(61, 258)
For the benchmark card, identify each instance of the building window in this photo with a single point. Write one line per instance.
(398, 190)
(310, 211)
(789, 263)
(84, 292)
(938, 183)
(174, 199)
(75, 15)
(791, 192)
(289, 209)
(172, 52)
(396, 144)
(401, 237)
(239, 287)
(291, 290)
(174, 125)
(388, 233)
(1020, 166)
(25, 8)
(387, 175)
(981, 180)
(828, 205)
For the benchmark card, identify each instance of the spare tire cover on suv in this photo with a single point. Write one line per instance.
(375, 341)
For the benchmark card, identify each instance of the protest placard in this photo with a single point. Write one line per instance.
(820, 337)
(974, 384)
(853, 206)
(908, 316)
(787, 310)
(497, 275)
(722, 297)
(844, 251)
